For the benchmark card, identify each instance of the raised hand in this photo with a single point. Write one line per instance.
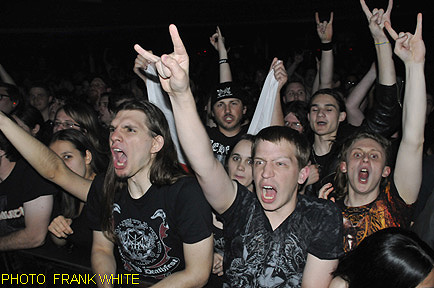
(61, 227)
(217, 40)
(325, 191)
(172, 68)
(376, 19)
(324, 29)
(279, 72)
(141, 64)
(410, 48)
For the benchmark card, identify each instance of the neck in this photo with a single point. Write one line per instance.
(322, 144)
(354, 199)
(277, 217)
(139, 184)
(230, 133)
(45, 114)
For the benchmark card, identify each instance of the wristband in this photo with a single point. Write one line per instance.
(327, 46)
(221, 61)
(381, 43)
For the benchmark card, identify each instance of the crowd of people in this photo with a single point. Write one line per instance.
(291, 176)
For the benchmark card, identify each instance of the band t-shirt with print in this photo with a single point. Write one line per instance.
(257, 256)
(221, 144)
(388, 210)
(22, 185)
(152, 229)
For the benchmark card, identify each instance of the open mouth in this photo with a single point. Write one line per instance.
(119, 158)
(363, 175)
(268, 194)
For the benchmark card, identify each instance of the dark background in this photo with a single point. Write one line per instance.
(64, 33)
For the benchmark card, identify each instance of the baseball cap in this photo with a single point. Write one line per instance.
(227, 90)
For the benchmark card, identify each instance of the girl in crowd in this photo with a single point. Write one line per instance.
(79, 155)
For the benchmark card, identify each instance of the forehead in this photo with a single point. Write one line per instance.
(3, 91)
(269, 150)
(243, 147)
(37, 90)
(61, 114)
(295, 86)
(61, 146)
(132, 117)
(291, 118)
(228, 100)
(324, 99)
(367, 144)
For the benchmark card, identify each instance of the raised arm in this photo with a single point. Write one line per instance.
(5, 77)
(357, 97)
(217, 186)
(325, 33)
(408, 171)
(218, 41)
(281, 77)
(45, 161)
(376, 19)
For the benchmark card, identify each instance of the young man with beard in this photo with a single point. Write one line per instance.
(228, 111)
(273, 236)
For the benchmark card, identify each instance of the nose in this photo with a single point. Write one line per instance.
(115, 136)
(240, 166)
(321, 112)
(227, 109)
(267, 171)
(365, 158)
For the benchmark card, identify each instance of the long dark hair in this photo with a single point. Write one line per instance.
(69, 205)
(392, 257)
(165, 168)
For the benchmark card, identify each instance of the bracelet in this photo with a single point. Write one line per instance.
(381, 43)
(221, 61)
(327, 46)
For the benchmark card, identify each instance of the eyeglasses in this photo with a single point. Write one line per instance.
(66, 124)
(3, 96)
(293, 125)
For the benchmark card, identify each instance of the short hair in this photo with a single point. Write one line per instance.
(246, 137)
(392, 257)
(341, 178)
(276, 134)
(333, 93)
(300, 110)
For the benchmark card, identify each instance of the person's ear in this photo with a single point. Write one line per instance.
(303, 175)
(36, 129)
(342, 116)
(157, 144)
(386, 171)
(88, 157)
(244, 109)
(343, 167)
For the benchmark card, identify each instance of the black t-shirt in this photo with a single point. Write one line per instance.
(151, 230)
(221, 144)
(257, 256)
(22, 185)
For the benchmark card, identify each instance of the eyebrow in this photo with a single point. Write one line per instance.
(326, 105)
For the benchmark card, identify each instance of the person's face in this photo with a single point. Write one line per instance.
(365, 166)
(104, 114)
(64, 121)
(324, 115)
(295, 91)
(72, 157)
(292, 122)
(39, 98)
(6, 104)
(132, 146)
(428, 282)
(240, 163)
(276, 176)
(228, 113)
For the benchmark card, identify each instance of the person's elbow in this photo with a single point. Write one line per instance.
(36, 238)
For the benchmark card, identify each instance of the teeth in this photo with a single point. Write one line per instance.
(117, 150)
(120, 164)
(364, 170)
(267, 187)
